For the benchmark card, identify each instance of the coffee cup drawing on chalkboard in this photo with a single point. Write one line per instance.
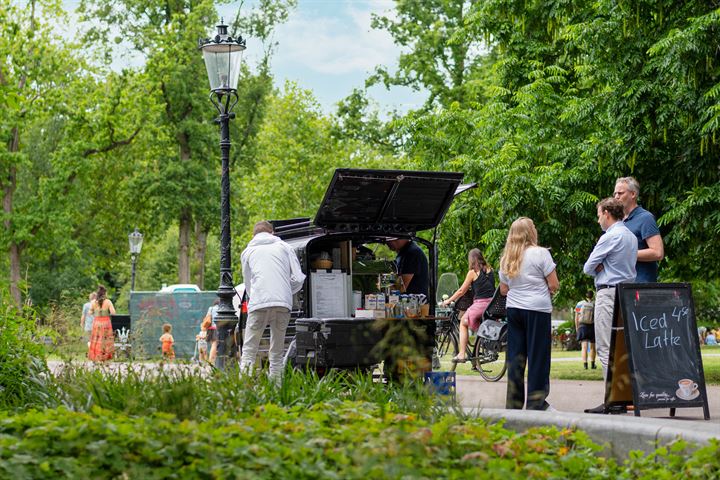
(688, 389)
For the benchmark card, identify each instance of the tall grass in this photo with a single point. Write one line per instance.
(192, 393)
(61, 322)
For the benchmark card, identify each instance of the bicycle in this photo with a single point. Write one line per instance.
(444, 336)
(484, 352)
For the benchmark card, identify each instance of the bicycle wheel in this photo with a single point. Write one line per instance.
(491, 364)
(443, 340)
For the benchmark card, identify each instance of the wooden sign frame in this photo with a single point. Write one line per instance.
(621, 384)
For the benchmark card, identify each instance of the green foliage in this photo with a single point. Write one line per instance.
(563, 99)
(191, 393)
(36, 66)
(335, 439)
(706, 296)
(333, 427)
(297, 153)
(356, 118)
(85, 201)
(543, 104)
(101, 152)
(24, 379)
(438, 56)
(672, 461)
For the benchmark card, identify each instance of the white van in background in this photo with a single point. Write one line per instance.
(180, 287)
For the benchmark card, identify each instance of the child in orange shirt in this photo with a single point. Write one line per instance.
(167, 342)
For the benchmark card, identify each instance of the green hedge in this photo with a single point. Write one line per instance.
(335, 439)
(137, 422)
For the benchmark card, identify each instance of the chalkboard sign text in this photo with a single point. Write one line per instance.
(663, 353)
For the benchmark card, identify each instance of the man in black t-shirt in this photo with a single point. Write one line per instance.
(412, 265)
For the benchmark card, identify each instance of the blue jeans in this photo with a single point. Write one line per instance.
(529, 342)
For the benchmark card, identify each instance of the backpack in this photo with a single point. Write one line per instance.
(587, 312)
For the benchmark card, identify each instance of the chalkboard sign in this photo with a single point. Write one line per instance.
(663, 352)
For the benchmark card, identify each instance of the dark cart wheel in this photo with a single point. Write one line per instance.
(490, 364)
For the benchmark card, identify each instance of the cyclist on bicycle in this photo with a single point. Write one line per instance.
(482, 281)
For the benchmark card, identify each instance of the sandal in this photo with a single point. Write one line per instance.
(455, 359)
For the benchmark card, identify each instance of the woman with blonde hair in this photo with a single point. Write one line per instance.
(528, 278)
(482, 281)
(102, 340)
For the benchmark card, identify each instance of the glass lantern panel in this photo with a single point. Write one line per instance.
(223, 66)
(135, 243)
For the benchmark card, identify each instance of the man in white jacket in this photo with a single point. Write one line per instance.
(272, 274)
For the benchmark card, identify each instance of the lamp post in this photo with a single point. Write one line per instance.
(135, 239)
(223, 55)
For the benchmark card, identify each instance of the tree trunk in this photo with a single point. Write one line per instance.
(9, 184)
(184, 248)
(200, 251)
(185, 221)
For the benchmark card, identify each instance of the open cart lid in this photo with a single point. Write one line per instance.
(462, 188)
(386, 201)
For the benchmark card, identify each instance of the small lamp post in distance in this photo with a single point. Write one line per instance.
(223, 57)
(135, 239)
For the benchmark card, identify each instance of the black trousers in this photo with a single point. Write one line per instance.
(529, 342)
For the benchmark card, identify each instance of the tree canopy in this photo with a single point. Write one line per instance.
(543, 104)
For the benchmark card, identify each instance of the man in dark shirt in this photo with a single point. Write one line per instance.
(412, 265)
(642, 224)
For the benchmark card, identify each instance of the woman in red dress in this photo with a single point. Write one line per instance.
(102, 340)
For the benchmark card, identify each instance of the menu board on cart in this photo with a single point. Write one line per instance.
(329, 294)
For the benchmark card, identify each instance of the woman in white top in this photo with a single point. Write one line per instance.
(528, 278)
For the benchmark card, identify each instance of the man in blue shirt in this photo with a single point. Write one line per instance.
(643, 225)
(612, 261)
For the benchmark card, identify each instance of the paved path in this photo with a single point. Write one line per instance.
(573, 396)
(142, 368)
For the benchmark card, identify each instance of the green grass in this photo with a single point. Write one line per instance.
(569, 370)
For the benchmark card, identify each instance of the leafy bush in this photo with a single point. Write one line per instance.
(127, 421)
(24, 379)
(707, 302)
(568, 325)
(332, 439)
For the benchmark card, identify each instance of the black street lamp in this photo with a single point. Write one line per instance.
(223, 55)
(135, 239)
